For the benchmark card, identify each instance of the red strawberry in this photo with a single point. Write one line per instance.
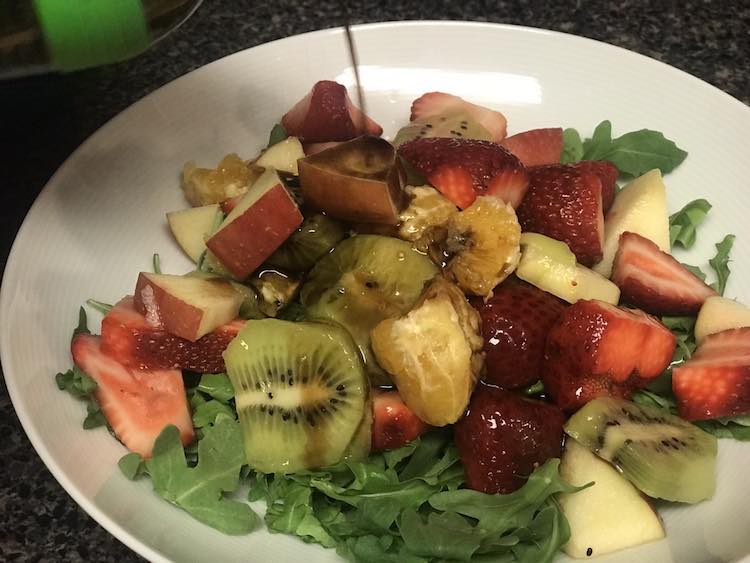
(503, 437)
(565, 204)
(515, 322)
(716, 381)
(228, 204)
(131, 340)
(137, 404)
(393, 424)
(607, 173)
(537, 146)
(596, 349)
(327, 114)
(462, 169)
(654, 281)
(434, 103)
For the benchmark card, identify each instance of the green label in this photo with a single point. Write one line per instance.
(86, 33)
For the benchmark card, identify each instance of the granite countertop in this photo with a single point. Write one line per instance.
(45, 118)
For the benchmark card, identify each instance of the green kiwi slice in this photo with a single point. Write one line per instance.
(317, 235)
(364, 280)
(460, 125)
(664, 456)
(300, 391)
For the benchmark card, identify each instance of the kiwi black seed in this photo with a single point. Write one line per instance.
(289, 427)
(364, 280)
(317, 235)
(661, 454)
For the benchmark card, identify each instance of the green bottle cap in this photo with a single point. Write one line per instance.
(86, 33)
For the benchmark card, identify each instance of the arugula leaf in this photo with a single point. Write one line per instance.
(207, 412)
(651, 399)
(157, 263)
(278, 134)
(76, 382)
(696, 271)
(535, 389)
(572, 146)
(132, 466)
(216, 385)
(732, 427)
(83, 324)
(597, 146)
(720, 263)
(103, 308)
(633, 153)
(445, 535)
(683, 224)
(200, 490)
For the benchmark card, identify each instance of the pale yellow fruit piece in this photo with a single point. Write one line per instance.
(433, 353)
(640, 207)
(609, 515)
(718, 314)
(427, 210)
(485, 240)
(230, 178)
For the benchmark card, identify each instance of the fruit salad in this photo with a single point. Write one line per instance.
(454, 345)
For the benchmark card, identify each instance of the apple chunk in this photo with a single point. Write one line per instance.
(262, 220)
(186, 306)
(640, 207)
(360, 180)
(191, 226)
(718, 314)
(609, 515)
(283, 156)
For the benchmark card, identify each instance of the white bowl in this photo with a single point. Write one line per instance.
(101, 217)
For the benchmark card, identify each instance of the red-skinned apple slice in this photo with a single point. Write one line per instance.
(262, 220)
(191, 226)
(188, 307)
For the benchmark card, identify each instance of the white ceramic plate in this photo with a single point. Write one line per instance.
(101, 217)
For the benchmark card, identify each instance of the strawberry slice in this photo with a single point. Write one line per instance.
(433, 103)
(137, 404)
(515, 323)
(393, 424)
(131, 340)
(462, 169)
(596, 349)
(654, 281)
(228, 204)
(716, 381)
(327, 114)
(503, 437)
(536, 146)
(565, 204)
(607, 173)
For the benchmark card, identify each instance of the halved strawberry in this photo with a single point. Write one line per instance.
(327, 114)
(515, 323)
(433, 103)
(716, 381)
(596, 349)
(137, 404)
(607, 173)
(393, 424)
(654, 281)
(131, 340)
(565, 204)
(536, 146)
(228, 204)
(462, 169)
(503, 437)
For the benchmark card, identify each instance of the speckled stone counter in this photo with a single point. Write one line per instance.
(43, 119)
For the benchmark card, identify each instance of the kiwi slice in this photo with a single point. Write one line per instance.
(316, 236)
(364, 280)
(300, 391)
(460, 125)
(664, 456)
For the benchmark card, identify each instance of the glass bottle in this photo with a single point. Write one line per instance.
(38, 36)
